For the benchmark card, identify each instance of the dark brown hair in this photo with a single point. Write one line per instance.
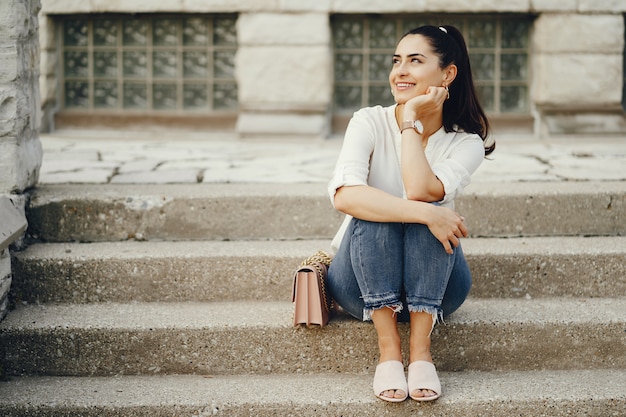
(462, 109)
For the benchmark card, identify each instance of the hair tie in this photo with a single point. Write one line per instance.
(443, 29)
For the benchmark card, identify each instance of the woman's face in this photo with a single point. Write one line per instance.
(415, 68)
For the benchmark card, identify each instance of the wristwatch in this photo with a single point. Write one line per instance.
(412, 124)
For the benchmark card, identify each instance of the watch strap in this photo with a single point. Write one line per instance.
(412, 124)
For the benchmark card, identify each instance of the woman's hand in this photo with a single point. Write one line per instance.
(426, 107)
(447, 226)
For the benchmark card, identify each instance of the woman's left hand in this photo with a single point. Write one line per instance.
(426, 106)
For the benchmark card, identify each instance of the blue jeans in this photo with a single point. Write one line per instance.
(397, 265)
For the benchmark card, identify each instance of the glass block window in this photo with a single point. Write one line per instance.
(498, 47)
(149, 63)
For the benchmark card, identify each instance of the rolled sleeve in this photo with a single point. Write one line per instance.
(353, 164)
(345, 176)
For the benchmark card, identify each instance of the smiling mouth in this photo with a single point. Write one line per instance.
(402, 86)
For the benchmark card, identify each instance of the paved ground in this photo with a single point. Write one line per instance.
(97, 157)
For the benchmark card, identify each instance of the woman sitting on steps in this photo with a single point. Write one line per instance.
(396, 178)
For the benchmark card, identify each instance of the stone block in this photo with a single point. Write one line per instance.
(476, 6)
(13, 221)
(15, 110)
(281, 123)
(134, 6)
(553, 5)
(14, 20)
(9, 62)
(230, 5)
(5, 263)
(65, 6)
(47, 33)
(5, 281)
(20, 161)
(305, 6)
(577, 81)
(610, 6)
(574, 33)
(379, 6)
(47, 89)
(287, 77)
(48, 62)
(588, 124)
(8, 103)
(283, 29)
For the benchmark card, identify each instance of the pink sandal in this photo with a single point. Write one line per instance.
(390, 376)
(423, 375)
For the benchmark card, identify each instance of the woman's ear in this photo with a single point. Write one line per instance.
(449, 74)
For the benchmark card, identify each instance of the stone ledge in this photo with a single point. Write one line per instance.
(13, 222)
(206, 270)
(191, 337)
(330, 6)
(486, 394)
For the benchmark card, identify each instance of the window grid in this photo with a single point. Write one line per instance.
(490, 89)
(147, 81)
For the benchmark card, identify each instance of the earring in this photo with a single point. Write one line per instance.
(447, 91)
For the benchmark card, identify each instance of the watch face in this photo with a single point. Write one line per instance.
(418, 126)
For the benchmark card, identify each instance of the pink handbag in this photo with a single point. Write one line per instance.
(311, 303)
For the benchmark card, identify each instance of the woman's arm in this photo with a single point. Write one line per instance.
(371, 204)
(420, 182)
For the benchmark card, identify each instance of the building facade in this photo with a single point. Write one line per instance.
(300, 68)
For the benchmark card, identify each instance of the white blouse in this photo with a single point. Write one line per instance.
(370, 155)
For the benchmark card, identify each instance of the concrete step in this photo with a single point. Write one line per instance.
(85, 213)
(262, 270)
(597, 393)
(249, 337)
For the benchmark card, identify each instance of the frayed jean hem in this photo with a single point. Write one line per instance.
(395, 307)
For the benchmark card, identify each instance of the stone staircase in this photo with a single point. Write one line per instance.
(175, 301)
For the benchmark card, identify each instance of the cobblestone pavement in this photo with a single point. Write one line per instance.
(96, 157)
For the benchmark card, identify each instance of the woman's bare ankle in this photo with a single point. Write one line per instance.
(390, 349)
(420, 353)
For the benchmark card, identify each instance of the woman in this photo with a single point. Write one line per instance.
(396, 178)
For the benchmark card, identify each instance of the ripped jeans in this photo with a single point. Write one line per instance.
(397, 265)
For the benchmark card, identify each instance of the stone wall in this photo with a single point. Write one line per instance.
(20, 148)
(284, 62)
(578, 72)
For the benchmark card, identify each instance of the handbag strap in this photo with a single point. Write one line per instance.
(319, 257)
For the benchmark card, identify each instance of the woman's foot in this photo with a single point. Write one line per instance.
(390, 382)
(421, 327)
(423, 381)
(390, 352)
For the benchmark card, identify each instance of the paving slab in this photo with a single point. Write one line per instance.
(312, 160)
(159, 176)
